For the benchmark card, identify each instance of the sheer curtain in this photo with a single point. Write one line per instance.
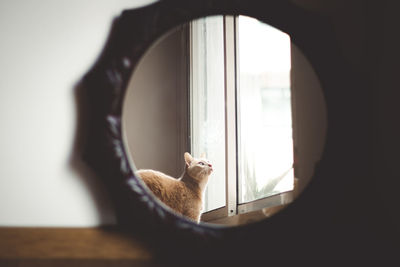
(264, 111)
(207, 103)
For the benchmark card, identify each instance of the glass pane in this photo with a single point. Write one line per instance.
(207, 103)
(264, 111)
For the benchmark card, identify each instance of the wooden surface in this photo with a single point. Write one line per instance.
(70, 247)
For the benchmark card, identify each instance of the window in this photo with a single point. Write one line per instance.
(240, 112)
(207, 103)
(265, 145)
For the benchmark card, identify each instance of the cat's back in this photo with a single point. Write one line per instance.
(175, 193)
(158, 182)
(152, 174)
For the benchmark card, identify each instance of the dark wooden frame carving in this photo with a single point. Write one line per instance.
(306, 225)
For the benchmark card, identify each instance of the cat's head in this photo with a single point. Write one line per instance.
(197, 167)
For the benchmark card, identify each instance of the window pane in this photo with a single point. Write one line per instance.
(207, 103)
(264, 111)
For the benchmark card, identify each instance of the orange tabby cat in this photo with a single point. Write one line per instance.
(185, 194)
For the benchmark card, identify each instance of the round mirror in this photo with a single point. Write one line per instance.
(224, 120)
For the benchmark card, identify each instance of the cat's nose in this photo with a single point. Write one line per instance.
(209, 165)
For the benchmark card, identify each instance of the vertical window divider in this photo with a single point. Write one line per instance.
(230, 114)
(184, 95)
(190, 84)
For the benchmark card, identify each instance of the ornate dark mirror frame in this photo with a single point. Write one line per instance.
(306, 222)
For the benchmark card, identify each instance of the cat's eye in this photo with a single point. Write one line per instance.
(234, 88)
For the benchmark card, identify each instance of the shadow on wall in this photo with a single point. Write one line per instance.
(95, 187)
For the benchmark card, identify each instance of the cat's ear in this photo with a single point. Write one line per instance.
(188, 158)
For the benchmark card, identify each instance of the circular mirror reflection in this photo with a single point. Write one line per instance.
(224, 120)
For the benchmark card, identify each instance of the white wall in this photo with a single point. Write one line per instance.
(46, 47)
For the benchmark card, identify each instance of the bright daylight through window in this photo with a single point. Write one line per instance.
(264, 111)
(261, 113)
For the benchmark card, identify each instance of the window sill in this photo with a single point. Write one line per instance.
(256, 210)
(248, 217)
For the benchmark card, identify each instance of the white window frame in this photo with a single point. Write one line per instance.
(232, 207)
